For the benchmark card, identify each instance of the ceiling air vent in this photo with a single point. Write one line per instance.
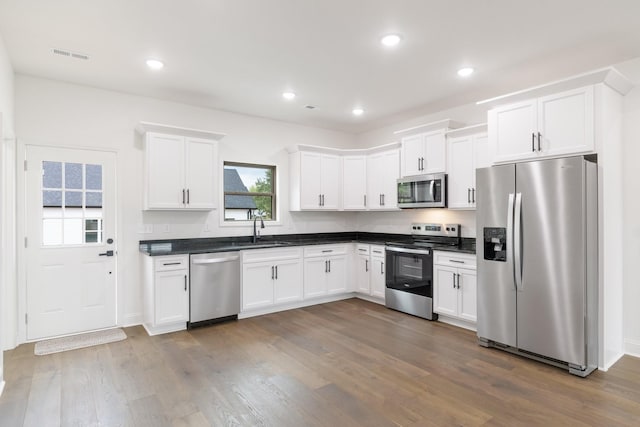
(70, 54)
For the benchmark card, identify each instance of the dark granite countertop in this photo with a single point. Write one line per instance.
(227, 244)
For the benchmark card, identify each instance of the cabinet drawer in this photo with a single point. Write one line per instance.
(454, 259)
(167, 263)
(362, 249)
(324, 250)
(264, 255)
(377, 250)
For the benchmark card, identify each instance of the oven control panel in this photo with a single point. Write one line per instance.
(425, 229)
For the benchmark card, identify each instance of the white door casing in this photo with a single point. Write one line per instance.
(70, 287)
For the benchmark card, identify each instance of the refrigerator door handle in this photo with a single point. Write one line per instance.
(510, 233)
(517, 244)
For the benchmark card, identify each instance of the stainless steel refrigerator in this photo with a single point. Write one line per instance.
(538, 261)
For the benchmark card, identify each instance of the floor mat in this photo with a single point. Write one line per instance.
(73, 342)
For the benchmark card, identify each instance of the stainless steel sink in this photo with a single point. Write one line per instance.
(251, 245)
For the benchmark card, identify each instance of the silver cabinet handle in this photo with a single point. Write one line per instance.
(276, 272)
(468, 195)
(533, 142)
(455, 260)
(272, 276)
(380, 197)
(171, 263)
(326, 251)
(473, 195)
(362, 249)
(183, 196)
(458, 280)
(329, 266)
(419, 164)
(323, 200)
(366, 265)
(382, 268)
(326, 266)
(454, 280)
(539, 138)
(383, 201)
(365, 200)
(422, 163)
(188, 196)
(319, 199)
(185, 283)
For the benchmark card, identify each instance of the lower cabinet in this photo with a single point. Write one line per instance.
(166, 293)
(270, 277)
(455, 286)
(325, 270)
(370, 270)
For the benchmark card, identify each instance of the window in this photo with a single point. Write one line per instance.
(249, 190)
(71, 203)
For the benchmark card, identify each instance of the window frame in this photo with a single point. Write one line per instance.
(272, 194)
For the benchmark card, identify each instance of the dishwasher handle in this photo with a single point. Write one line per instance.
(215, 260)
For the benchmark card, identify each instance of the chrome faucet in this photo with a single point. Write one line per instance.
(256, 233)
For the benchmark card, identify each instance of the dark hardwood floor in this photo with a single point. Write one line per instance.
(339, 364)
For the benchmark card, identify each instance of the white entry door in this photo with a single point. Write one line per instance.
(70, 246)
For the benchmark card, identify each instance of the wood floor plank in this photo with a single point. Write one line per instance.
(347, 363)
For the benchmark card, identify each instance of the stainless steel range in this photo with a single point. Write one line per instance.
(409, 275)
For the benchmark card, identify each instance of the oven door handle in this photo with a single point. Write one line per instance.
(408, 251)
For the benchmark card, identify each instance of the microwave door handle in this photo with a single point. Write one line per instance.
(510, 237)
(431, 190)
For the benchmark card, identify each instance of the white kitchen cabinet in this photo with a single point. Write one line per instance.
(271, 277)
(166, 293)
(315, 181)
(554, 125)
(383, 171)
(362, 269)
(354, 178)
(466, 154)
(180, 172)
(378, 271)
(455, 286)
(325, 270)
(424, 153)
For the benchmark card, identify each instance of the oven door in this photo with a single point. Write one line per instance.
(410, 270)
(426, 191)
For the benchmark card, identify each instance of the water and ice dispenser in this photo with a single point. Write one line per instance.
(495, 244)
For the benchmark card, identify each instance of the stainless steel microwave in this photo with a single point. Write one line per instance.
(423, 191)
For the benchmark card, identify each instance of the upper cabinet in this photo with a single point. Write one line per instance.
(180, 168)
(424, 153)
(467, 151)
(315, 181)
(322, 178)
(384, 171)
(553, 125)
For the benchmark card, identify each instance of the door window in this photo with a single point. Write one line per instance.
(71, 203)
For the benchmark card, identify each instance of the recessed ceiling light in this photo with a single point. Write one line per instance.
(465, 72)
(358, 111)
(390, 40)
(155, 64)
(288, 95)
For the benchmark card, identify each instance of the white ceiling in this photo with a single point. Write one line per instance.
(240, 55)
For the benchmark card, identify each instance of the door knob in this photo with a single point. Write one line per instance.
(108, 253)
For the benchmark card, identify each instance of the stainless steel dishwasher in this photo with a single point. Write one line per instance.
(215, 288)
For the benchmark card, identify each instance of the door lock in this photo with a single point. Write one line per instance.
(108, 253)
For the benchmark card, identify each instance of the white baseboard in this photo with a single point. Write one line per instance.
(632, 347)
(133, 319)
(293, 305)
(370, 298)
(165, 329)
(457, 322)
(612, 361)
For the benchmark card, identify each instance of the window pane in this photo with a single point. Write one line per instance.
(73, 175)
(51, 199)
(94, 177)
(72, 231)
(73, 199)
(264, 207)
(91, 237)
(94, 199)
(51, 175)
(92, 224)
(51, 232)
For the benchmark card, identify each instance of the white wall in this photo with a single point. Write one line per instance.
(55, 113)
(7, 192)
